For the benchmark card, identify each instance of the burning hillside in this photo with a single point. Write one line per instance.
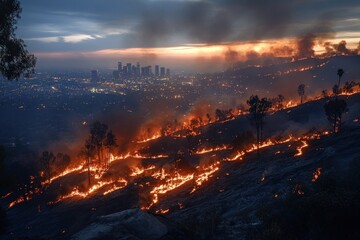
(159, 181)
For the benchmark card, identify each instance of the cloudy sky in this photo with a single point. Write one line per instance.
(97, 33)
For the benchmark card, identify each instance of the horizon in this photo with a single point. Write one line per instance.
(193, 36)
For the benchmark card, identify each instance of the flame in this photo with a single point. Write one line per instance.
(138, 171)
(205, 174)
(316, 175)
(162, 211)
(171, 183)
(17, 201)
(6, 195)
(300, 149)
(150, 138)
(207, 150)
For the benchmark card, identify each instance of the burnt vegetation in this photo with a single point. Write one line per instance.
(329, 209)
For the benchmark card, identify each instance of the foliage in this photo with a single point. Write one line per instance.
(334, 110)
(301, 92)
(258, 108)
(99, 143)
(14, 58)
(329, 211)
(222, 115)
(278, 101)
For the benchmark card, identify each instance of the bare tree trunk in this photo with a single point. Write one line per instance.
(258, 138)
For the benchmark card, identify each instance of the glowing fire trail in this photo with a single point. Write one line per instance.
(300, 149)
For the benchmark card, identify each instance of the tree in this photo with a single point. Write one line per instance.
(301, 92)
(46, 160)
(278, 102)
(88, 152)
(101, 139)
(334, 110)
(258, 108)
(348, 87)
(14, 58)
(340, 72)
(110, 142)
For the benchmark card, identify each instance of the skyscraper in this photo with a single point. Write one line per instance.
(168, 72)
(128, 69)
(157, 70)
(119, 67)
(162, 72)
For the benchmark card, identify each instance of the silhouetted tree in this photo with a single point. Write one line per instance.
(348, 87)
(340, 73)
(334, 110)
(46, 160)
(208, 117)
(110, 142)
(301, 92)
(98, 133)
(14, 58)
(88, 152)
(277, 102)
(101, 139)
(258, 108)
(324, 93)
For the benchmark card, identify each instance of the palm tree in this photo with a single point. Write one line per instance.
(340, 72)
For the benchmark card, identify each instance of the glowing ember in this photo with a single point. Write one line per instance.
(162, 211)
(300, 149)
(150, 139)
(66, 172)
(316, 175)
(6, 195)
(207, 150)
(138, 171)
(17, 201)
(205, 174)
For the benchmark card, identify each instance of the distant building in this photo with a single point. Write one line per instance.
(94, 76)
(146, 71)
(138, 71)
(168, 72)
(120, 67)
(128, 69)
(157, 71)
(162, 72)
(116, 75)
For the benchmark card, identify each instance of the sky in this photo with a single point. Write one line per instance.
(199, 35)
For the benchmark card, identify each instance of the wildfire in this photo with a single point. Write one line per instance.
(138, 171)
(316, 175)
(170, 184)
(207, 150)
(162, 211)
(17, 201)
(205, 174)
(66, 172)
(300, 149)
(150, 138)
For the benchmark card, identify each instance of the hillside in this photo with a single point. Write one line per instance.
(211, 188)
